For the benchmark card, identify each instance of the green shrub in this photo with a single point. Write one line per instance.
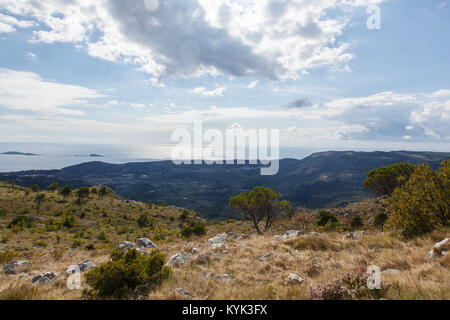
(2, 212)
(325, 217)
(126, 275)
(357, 222)
(68, 222)
(199, 230)
(77, 243)
(144, 221)
(41, 243)
(35, 188)
(90, 247)
(7, 256)
(19, 223)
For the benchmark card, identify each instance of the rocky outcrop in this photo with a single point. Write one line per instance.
(43, 277)
(15, 267)
(145, 243)
(127, 245)
(218, 241)
(179, 259)
(294, 279)
(440, 248)
(81, 267)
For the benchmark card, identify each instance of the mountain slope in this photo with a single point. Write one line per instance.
(326, 179)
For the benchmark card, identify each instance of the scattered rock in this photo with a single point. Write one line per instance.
(292, 234)
(232, 235)
(44, 277)
(81, 267)
(9, 269)
(179, 259)
(218, 241)
(224, 277)
(15, 266)
(266, 257)
(352, 235)
(207, 275)
(126, 245)
(438, 248)
(294, 279)
(196, 250)
(182, 292)
(276, 237)
(145, 243)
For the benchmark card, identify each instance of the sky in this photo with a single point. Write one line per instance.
(130, 72)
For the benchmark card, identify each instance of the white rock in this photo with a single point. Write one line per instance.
(145, 243)
(218, 241)
(81, 267)
(438, 248)
(294, 279)
(196, 250)
(292, 234)
(179, 259)
(44, 277)
(126, 245)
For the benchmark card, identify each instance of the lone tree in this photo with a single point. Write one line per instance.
(102, 192)
(65, 192)
(82, 194)
(380, 220)
(54, 186)
(383, 181)
(258, 205)
(39, 199)
(357, 222)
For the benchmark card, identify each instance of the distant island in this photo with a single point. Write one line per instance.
(16, 153)
(92, 155)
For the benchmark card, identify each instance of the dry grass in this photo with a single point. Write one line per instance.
(257, 265)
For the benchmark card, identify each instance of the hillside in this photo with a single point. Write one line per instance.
(322, 180)
(243, 266)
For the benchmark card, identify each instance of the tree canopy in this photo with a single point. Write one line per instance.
(384, 180)
(258, 205)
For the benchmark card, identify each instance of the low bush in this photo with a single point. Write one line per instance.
(127, 275)
(350, 286)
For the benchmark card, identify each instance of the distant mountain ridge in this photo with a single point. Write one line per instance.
(325, 179)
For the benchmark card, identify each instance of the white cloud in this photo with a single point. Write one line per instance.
(253, 84)
(8, 23)
(31, 55)
(211, 93)
(440, 93)
(267, 38)
(20, 90)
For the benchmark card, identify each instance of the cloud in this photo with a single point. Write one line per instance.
(266, 38)
(211, 93)
(299, 103)
(31, 55)
(20, 90)
(385, 116)
(253, 84)
(8, 23)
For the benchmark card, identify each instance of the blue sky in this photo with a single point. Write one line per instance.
(124, 72)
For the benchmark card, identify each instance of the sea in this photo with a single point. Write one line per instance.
(58, 156)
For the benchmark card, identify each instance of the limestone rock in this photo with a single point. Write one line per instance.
(218, 241)
(44, 277)
(126, 245)
(294, 279)
(145, 243)
(179, 259)
(81, 267)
